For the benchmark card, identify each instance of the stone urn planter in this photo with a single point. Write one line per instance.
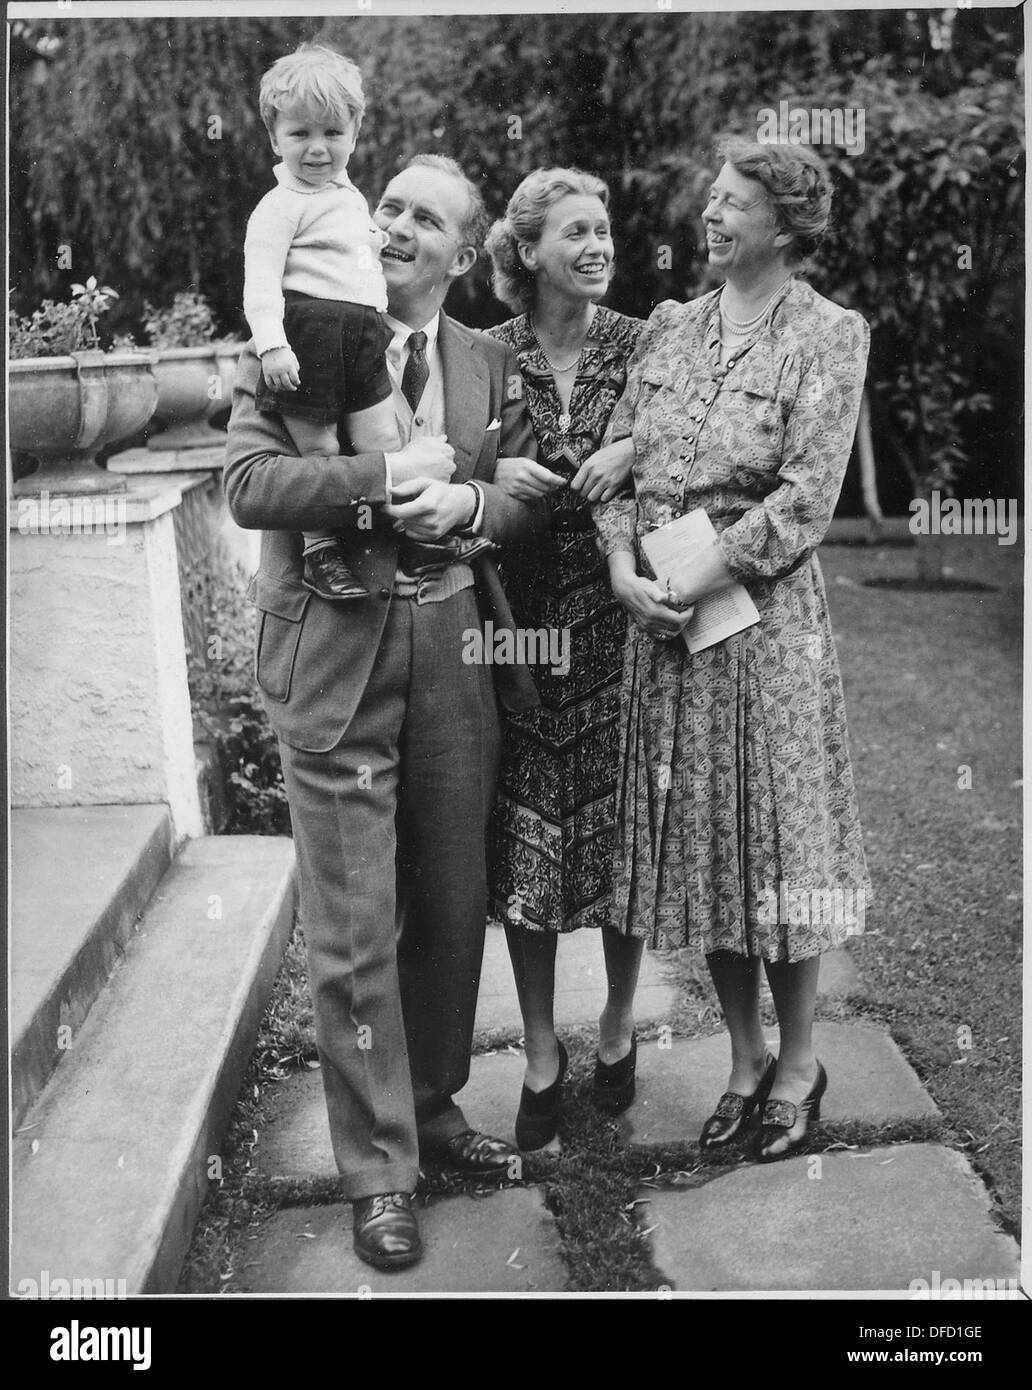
(63, 410)
(194, 383)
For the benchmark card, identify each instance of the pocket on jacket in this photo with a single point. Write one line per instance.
(281, 609)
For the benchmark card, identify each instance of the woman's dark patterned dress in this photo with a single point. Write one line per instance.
(551, 838)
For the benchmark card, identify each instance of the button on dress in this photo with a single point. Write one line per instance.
(737, 819)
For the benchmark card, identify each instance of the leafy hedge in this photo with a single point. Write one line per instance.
(142, 150)
(227, 705)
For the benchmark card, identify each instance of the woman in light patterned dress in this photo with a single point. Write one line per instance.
(551, 837)
(737, 818)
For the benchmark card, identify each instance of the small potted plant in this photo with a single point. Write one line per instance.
(68, 398)
(194, 371)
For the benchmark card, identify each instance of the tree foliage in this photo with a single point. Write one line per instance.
(114, 155)
(142, 150)
(927, 247)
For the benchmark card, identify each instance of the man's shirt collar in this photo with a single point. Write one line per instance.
(403, 331)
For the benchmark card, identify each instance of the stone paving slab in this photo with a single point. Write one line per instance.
(503, 1242)
(677, 1089)
(868, 1078)
(296, 1137)
(875, 1220)
(492, 1095)
(580, 978)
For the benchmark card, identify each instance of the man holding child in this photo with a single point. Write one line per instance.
(389, 740)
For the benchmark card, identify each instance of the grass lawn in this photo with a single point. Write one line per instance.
(933, 695)
(933, 690)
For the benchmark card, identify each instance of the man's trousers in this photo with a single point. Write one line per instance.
(389, 828)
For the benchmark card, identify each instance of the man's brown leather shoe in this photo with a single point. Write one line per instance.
(386, 1231)
(474, 1155)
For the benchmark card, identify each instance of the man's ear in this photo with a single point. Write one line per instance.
(464, 260)
(272, 142)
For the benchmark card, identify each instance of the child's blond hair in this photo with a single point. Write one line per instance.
(314, 77)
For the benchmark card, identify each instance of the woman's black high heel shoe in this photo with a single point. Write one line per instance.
(734, 1112)
(537, 1120)
(613, 1087)
(785, 1127)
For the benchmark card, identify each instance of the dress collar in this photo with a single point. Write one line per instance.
(596, 345)
(711, 321)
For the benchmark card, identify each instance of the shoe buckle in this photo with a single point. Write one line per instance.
(730, 1106)
(779, 1112)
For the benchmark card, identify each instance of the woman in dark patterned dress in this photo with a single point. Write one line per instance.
(738, 821)
(551, 839)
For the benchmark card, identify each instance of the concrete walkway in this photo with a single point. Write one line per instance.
(855, 1218)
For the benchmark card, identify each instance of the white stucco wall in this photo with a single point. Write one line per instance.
(99, 704)
(242, 547)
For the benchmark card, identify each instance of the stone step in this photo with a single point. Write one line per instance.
(80, 877)
(112, 1162)
(500, 1242)
(897, 1220)
(679, 1084)
(580, 983)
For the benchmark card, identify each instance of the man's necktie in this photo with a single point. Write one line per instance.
(416, 371)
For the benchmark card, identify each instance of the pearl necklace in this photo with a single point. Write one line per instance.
(747, 325)
(544, 354)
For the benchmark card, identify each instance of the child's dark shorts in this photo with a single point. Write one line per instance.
(340, 351)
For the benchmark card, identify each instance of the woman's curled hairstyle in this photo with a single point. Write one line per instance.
(796, 183)
(524, 221)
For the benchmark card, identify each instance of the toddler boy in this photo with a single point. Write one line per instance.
(314, 292)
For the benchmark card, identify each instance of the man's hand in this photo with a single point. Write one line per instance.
(281, 369)
(435, 509)
(431, 458)
(600, 476)
(524, 479)
(646, 602)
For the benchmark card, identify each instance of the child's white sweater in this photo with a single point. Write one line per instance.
(320, 242)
